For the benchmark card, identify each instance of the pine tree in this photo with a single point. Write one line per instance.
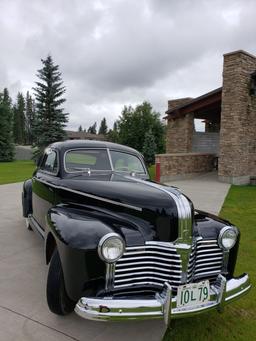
(80, 128)
(19, 120)
(50, 117)
(6, 142)
(149, 148)
(103, 127)
(113, 134)
(7, 99)
(93, 129)
(29, 119)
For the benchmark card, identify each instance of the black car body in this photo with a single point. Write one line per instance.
(121, 246)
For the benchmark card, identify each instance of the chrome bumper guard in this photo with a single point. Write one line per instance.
(164, 305)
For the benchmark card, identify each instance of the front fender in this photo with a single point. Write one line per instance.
(75, 228)
(77, 232)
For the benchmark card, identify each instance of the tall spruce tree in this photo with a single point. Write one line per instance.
(50, 116)
(19, 120)
(103, 127)
(6, 141)
(30, 118)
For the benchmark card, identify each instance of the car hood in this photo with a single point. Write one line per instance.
(149, 206)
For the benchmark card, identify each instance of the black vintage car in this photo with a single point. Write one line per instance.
(121, 246)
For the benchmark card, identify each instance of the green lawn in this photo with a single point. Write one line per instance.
(15, 171)
(152, 172)
(238, 322)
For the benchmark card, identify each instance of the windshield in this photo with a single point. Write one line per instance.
(126, 162)
(85, 160)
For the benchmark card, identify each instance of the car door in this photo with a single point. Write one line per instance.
(43, 186)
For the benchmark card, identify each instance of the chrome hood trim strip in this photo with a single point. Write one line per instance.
(91, 196)
(183, 208)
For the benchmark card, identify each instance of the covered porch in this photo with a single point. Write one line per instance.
(189, 151)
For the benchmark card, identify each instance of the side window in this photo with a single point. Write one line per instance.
(50, 161)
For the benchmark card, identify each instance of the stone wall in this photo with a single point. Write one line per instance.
(237, 160)
(179, 134)
(184, 165)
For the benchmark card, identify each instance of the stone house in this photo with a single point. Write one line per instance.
(229, 140)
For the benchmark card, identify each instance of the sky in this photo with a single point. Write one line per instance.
(122, 52)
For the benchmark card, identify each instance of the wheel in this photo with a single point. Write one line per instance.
(28, 225)
(58, 301)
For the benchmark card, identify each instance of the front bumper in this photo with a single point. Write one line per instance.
(164, 305)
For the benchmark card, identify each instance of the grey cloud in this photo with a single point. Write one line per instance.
(118, 52)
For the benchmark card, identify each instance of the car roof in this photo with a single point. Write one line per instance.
(73, 144)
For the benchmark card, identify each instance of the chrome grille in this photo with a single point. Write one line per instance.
(151, 264)
(155, 263)
(205, 260)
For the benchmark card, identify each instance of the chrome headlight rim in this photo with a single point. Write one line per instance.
(222, 234)
(102, 242)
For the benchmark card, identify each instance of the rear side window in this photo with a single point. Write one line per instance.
(50, 161)
(93, 159)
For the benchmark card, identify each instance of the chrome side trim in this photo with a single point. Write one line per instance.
(90, 195)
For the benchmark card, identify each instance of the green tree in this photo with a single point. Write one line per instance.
(149, 148)
(93, 129)
(135, 123)
(113, 134)
(103, 127)
(50, 116)
(80, 128)
(29, 118)
(19, 120)
(6, 141)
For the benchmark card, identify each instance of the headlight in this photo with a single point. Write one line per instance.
(227, 237)
(111, 247)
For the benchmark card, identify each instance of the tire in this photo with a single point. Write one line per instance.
(58, 301)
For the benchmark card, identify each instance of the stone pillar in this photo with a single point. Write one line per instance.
(238, 117)
(179, 134)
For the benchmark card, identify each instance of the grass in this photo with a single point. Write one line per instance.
(238, 320)
(15, 171)
(152, 172)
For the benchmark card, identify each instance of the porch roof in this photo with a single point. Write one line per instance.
(203, 106)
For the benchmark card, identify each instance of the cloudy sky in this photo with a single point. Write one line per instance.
(119, 52)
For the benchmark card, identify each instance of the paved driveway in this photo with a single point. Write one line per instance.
(206, 192)
(24, 315)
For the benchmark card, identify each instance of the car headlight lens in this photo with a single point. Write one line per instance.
(227, 237)
(111, 247)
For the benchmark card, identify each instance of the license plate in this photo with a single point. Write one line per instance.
(193, 294)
